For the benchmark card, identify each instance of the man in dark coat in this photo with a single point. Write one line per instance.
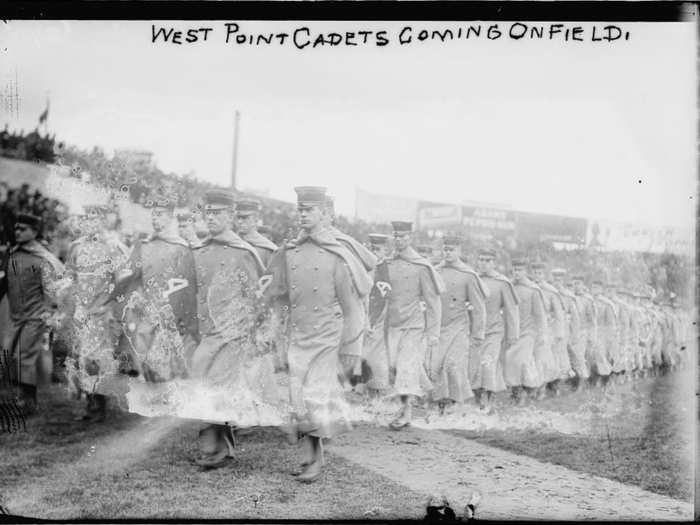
(30, 278)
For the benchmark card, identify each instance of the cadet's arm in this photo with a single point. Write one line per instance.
(511, 313)
(433, 305)
(539, 313)
(477, 314)
(353, 311)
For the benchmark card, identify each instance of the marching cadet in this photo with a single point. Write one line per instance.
(620, 360)
(322, 284)
(229, 365)
(653, 333)
(574, 340)
(604, 350)
(186, 230)
(159, 291)
(94, 261)
(463, 317)
(30, 279)
(551, 341)
(589, 324)
(644, 361)
(374, 349)
(520, 369)
(247, 217)
(413, 279)
(633, 350)
(502, 328)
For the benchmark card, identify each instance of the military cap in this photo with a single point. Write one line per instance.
(538, 265)
(578, 277)
(519, 262)
(402, 226)
(487, 252)
(451, 240)
(598, 281)
(311, 195)
(248, 206)
(378, 238)
(30, 220)
(424, 249)
(559, 272)
(95, 209)
(219, 199)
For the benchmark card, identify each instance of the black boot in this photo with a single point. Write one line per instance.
(27, 400)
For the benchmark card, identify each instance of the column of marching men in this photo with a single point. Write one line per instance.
(229, 311)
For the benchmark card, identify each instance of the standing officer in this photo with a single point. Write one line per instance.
(374, 349)
(604, 349)
(502, 329)
(553, 340)
(247, 217)
(413, 279)
(321, 284)
(94, 260)
(30, 279)
(520, 370)
(230, 368)
(463, 317)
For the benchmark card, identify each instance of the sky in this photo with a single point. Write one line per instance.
(540, 125)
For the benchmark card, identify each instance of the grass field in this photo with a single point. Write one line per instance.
(135, 467)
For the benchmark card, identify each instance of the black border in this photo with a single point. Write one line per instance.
(587, 11)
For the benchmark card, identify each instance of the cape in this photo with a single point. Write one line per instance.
(228, 238)
(531, 284)
(501, 277)
(412, 256)
(550, 288)
(367, 258)
(260, 241)
(461, 267)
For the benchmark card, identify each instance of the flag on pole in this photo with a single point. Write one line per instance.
(45, 115)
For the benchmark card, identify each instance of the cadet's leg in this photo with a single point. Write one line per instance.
(312, 470)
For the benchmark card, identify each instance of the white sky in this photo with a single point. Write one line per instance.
(545, 126)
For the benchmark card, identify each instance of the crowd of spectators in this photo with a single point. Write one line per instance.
(33, 147)
(665, 273)
(24, 199)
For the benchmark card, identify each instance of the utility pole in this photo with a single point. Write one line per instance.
(235, 150)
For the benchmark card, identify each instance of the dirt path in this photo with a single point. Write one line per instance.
(511, 486)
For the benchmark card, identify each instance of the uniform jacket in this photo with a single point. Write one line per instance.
(262, 244)
(502, 315)
(464, 297)
(413, 280)
(554, 306)
(322, 284)
(531, 307)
